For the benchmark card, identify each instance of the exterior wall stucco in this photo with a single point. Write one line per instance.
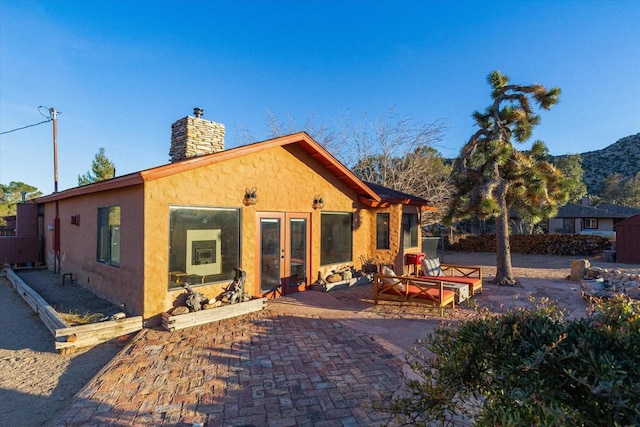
(78, 245)
(286, 179)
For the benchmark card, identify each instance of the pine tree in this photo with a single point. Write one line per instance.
(571, 168)
(492, 176)
(101, 168)
(11, 195)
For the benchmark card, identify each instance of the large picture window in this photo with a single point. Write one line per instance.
(382, 231)
(204, 245)
(336, 240)
(109, 235)
(409, 230)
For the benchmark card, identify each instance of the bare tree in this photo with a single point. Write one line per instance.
(393, 151)
(398, 152)
(319, 131)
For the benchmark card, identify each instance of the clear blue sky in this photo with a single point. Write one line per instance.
(121, 72)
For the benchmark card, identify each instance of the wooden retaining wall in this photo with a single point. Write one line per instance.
(172, 323)
(67, 337)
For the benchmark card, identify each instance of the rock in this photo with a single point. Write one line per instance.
(578, 269)
(212, 304)
(118, 316)
(633, 292)
(592, 286)
(333, 278)
(181, 309)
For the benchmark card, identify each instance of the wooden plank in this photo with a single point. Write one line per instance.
(71, 337)
(95, 338)
(182, 321)
(48, 315)
(108, 325)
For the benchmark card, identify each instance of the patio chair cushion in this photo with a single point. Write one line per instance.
(386, 271)
(431, 267)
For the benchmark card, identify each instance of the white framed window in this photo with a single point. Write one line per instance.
(590, 224)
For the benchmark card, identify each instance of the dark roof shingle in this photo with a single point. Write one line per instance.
(606, 210)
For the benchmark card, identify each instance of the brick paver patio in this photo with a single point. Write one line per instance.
(263, 369)
(316, 359)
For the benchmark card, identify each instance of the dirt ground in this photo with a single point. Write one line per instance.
(36, 382)
(69, 297)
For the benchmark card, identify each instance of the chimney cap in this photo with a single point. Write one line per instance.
(198, 112)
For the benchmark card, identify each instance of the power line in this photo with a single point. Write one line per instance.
(24, 127)
(49, 117)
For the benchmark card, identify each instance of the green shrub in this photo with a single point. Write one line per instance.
(528, 366)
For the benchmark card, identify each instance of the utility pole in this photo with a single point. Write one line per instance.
(56, 220)
(54, 116)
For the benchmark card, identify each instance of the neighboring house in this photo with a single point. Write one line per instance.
(584, 218)
(283, 210)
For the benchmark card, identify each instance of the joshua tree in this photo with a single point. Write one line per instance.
(493, 177)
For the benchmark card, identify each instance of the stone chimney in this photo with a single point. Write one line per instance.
(195, 136)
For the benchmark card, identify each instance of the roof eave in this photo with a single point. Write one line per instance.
(109, 184)
(315, 150)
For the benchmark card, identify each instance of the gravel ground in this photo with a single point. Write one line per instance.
(35, 380)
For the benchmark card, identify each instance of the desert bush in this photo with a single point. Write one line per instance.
(75, 318)
(528, 366)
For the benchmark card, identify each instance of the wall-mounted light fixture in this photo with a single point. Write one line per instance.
(318, 201)
(75, 220)
(250, 196)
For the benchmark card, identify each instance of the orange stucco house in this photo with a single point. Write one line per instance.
(283, 210)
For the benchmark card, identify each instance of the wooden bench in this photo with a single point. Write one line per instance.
(416, 289)
(461, 274)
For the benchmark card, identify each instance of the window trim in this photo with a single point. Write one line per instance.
(587, 223)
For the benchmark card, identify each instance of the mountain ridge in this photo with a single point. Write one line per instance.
(623, 157)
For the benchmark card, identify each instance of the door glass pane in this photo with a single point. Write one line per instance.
(298, 247)
(270, 247)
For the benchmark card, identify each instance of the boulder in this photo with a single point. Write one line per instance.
(181, 309)
(333, 278)
(578, 269)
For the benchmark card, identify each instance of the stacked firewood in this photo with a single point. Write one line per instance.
(545, 244)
